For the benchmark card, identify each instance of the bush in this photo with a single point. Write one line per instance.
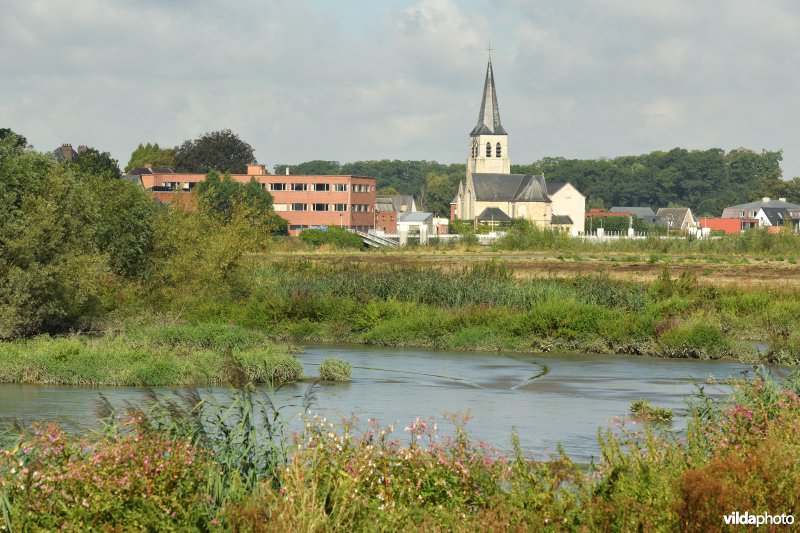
(642, 410)
(52, 481)
(334, 369)
(333, 236)
(281, 368)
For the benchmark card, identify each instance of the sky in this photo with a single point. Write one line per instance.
(349, 80)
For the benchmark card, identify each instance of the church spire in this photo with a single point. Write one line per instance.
(489, 116)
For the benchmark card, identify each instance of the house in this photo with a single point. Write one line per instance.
(569, 207)
(677, 218)
(416, 222)
(645, 214)
(489, 183)
(304, 201)
(767, 213)
(385, 216)
(65, 152)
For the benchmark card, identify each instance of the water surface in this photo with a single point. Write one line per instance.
(547, 398)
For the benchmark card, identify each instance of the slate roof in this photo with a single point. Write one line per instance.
(554, 187)
(510, 188)
(65, 152)
(560, 220)
(761, 203)
(489, 115)
(678, 215)
(138, 171)
(383, 207)
(494, 214)
(644, 213)
(776, 215)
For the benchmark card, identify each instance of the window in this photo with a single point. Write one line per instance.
(277, 186)
(340, 207)
(340, 187)
(298, 186)
(320, 207)
(263, 186)
(322, 187)
(488, 149)
(280, 207)
(299, 207)
(497, 150)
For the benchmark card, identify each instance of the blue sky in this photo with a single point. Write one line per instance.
(350, 80)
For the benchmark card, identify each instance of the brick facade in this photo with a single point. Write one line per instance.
(304, 201)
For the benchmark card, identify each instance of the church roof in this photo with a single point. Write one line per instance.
(494, 214)
(509, 188)
(489, 116)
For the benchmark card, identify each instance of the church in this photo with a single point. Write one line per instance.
(491, 193)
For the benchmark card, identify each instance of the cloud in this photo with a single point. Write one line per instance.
(402, 79)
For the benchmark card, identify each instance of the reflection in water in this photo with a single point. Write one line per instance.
(547, 398)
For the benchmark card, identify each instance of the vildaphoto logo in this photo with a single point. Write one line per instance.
(747, 519)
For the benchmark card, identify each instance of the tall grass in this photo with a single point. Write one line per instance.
(198, 354)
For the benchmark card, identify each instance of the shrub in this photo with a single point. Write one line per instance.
(52, 480)
(281, 368)
(336, 237)
(642, 410)
(334, 369)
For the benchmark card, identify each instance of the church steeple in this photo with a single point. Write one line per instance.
(489, 116)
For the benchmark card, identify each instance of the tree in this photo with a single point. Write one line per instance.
(151, 154)
(92, 162)
(311, 168)
(224, 198)
(220, 150)
(66, 239)
(20, 141)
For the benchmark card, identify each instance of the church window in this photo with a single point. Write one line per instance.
(488, 149)
(497, 150)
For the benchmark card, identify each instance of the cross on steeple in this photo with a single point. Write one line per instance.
(490, 49)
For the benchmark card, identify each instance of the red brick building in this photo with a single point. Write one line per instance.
(304, 201)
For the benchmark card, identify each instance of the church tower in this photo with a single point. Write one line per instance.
(488, 141)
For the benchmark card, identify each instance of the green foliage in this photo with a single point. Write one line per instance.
(16, 139)
(332, 236)
(151, 154)
(220, 150)
(334, 369)
(642, 410)
(93, 163)
(66, 237)
(190, 354)
(53, 480)
(225, 198)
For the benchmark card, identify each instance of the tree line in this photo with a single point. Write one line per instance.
(704, 180)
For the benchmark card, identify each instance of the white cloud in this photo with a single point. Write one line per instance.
(402, 79)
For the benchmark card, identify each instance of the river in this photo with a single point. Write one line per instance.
(548, 398)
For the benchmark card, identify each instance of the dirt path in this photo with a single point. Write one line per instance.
(739, 271)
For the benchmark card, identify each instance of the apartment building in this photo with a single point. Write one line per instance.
(304, 201)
